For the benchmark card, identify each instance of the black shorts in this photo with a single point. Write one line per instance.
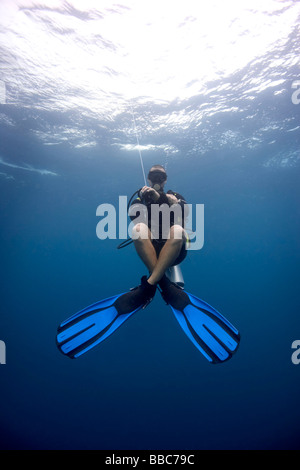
(158, 244)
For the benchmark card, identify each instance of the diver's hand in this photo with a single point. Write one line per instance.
(172, 199)
(149, 193)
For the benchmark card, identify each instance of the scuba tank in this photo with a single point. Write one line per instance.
(174, 274)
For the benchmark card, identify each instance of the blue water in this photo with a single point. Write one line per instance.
(232, 144)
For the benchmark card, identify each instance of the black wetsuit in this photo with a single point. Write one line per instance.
(158, 242)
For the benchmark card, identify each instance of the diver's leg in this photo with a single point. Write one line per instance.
(142, 241)
(169, 253)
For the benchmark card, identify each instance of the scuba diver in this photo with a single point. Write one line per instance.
(161, 243)
(159, 249)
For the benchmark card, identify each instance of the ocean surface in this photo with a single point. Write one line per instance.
(214, 89)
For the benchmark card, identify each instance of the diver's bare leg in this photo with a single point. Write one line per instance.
(168, 254)
(144, 246)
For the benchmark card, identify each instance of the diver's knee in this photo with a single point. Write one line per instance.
(177, 233)
(140, 232)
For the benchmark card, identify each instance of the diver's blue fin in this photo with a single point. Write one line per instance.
(208, 330)
(89, 327)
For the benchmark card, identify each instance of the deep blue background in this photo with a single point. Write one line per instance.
(147, 386)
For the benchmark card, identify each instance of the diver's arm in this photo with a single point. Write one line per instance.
(172, 199)
(181, 201)
(149, 193)
(176, 198)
